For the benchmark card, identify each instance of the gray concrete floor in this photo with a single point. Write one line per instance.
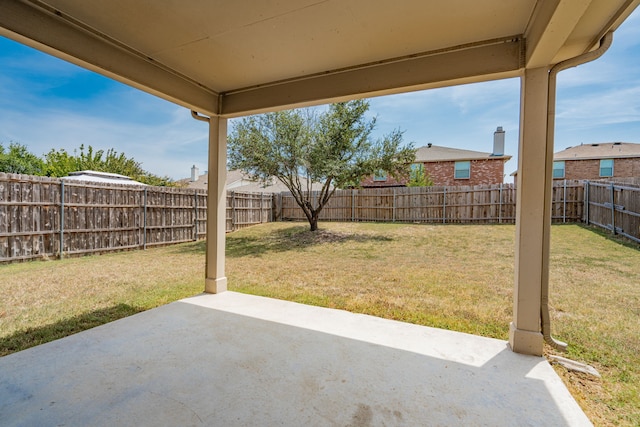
(241, 360)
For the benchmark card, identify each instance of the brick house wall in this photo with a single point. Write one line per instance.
(590, 168)
(485, 171)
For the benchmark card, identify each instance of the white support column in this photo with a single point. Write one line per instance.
(216, 281)
(533, 210)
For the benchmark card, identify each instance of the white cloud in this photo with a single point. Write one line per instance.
(600, 108)
(471, 97)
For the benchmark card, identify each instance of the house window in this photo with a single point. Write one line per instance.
(380, 175)
(558, 169)
(606, 167)
(462, 170)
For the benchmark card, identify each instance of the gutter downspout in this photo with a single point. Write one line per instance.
(197, 116)
(605, 43)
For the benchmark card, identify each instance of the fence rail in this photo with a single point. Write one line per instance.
(614, 206)
(478, 204)
(44, 217)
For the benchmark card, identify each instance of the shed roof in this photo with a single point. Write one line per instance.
(601, 150)
(436, 153)
(103, 177)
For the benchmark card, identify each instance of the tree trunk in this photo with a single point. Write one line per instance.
(313, 223)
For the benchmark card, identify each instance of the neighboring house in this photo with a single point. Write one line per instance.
(452, 166)
(103, 177)
(598, 161)
(239, 181)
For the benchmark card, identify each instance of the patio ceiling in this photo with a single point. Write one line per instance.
(235, 57)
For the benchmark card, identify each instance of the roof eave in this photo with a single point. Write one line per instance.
(463, 159)
(625, 156)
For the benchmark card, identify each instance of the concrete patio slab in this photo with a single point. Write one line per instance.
(240, 360)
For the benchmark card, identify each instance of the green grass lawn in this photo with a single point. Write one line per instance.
(457, 277)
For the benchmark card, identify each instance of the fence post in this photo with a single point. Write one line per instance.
(500, 205)
(144, 222)
(393, 206)
(613, 209)
(444, 205)
(61, 219)
(353, 204)
(564, 203)
(195, 215)
(261, 194)
(233, 211)
(586, 202)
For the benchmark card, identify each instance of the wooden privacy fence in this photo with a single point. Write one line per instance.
(477, 204)
(246, 209)
(44, 217)
(613, 206)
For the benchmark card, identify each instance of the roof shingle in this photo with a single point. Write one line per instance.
(604, 150)
(437, 153)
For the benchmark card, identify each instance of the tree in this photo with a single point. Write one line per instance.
(418, 176)
(60, 163)
(18, 159)
(300, 148)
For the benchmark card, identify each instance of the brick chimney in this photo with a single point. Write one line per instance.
(194, 173)
(498, 142)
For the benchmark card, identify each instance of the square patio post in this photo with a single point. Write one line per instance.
(533, 212)
(216, 281)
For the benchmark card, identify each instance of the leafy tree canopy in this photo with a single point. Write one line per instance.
(58, 163)
(299, 147)
(17, 159)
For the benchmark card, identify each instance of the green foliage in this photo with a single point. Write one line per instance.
(59, 163)
(299, 148)
(418, 177)
(18, 159)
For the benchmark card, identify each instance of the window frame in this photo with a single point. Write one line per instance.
(610, 161)
(559, 162)
(457, 170)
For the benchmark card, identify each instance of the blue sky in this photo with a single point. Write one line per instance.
(47, 103)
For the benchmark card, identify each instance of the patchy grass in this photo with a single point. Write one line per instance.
(402, 272)
(595, 291)
(43, 301)
(457, 277)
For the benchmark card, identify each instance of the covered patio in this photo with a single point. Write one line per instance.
(241, 360)
(234, 58)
